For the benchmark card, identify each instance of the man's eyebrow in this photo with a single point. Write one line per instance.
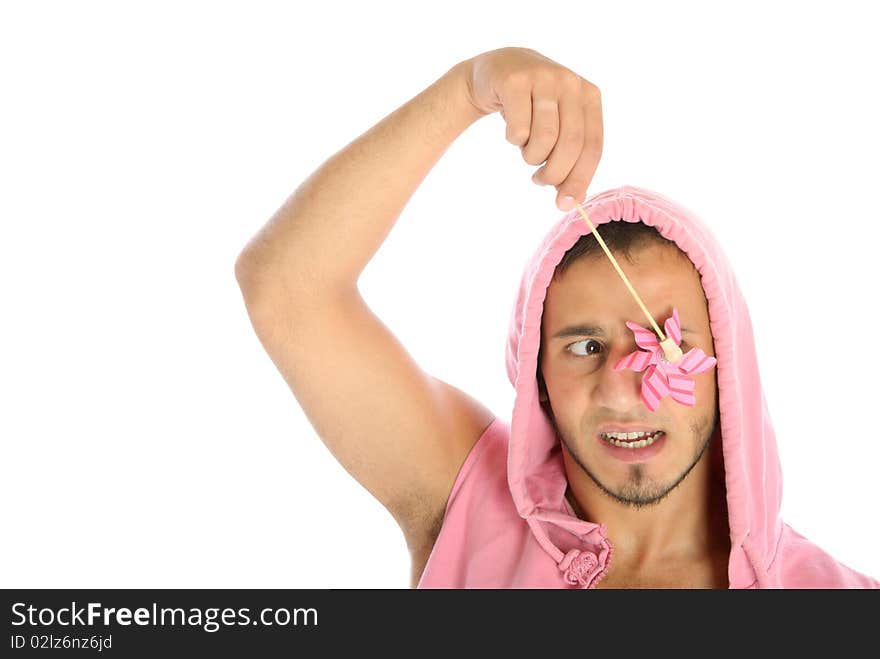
(580, 330)
(583, 329)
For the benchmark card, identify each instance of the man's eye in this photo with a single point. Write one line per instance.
(591, 347)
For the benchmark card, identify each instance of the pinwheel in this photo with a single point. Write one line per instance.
(663, 378)
(669, 371)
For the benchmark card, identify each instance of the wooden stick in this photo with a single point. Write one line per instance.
(671, 351)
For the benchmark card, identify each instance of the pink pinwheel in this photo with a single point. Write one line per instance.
(664, 378)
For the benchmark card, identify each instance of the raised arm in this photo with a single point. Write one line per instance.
(400, 432)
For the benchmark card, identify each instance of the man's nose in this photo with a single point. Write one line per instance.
(618, 390)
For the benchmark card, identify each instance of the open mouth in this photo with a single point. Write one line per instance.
(632, 440)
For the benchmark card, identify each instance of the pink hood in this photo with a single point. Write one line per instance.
(752, 470)
(765, 552)
(535, 469)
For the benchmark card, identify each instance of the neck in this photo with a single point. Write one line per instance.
(689, 523)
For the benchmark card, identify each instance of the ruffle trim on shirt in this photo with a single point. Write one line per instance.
(579, 568)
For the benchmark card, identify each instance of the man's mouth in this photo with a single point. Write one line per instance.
(632, 440)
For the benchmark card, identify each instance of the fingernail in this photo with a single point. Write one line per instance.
(566, 203)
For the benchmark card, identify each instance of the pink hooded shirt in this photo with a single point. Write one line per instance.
(507, 522)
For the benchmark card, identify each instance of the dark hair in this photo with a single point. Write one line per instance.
(620, 236)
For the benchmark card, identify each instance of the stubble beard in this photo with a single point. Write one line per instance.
(638, 490)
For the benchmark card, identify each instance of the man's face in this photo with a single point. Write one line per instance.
(584, 390)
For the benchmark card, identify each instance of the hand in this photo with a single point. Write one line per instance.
(552, 113)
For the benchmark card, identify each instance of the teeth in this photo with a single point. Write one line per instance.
(623, 439)
(627, 436)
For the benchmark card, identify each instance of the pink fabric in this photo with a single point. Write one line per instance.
(508, 523)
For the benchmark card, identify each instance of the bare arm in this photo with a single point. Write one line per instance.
(400, 432)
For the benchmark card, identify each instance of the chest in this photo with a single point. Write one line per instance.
(705, 574)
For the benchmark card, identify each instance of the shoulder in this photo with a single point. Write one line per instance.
(483, 472)
(481, 483)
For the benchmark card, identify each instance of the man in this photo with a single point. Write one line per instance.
(699, 506)
(661, 498)
(556, 497)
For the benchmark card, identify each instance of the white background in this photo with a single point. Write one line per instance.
(148, 440)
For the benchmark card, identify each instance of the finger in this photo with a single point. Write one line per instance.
(570, 143)
(544, 127)
(516, 109)
(578, 180)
